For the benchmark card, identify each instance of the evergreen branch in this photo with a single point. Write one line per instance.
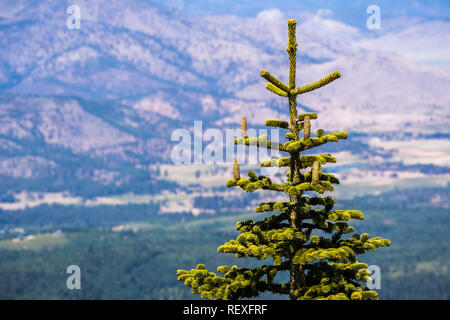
(322, 177)
(336, 283)
(305, 144)
(319, 222)
(276, 90)
(307, 161)
(277, 83)
(249, 186)
(362, 243)
(341, 254)
(319, 83)
(290, 136)
(311, 115)
(273, 206)
(319, 187)
(260, 251)
(236, 282)
(328, 202)
(277, 123)
(283, 162)
(344, 215)
(271, 222)
(262, 244)
(261, 142)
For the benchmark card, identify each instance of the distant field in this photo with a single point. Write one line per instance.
(38, 242)
(140, 261)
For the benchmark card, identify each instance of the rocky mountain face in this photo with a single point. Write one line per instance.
(106, 97)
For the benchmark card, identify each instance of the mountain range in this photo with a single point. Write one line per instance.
(98, 104)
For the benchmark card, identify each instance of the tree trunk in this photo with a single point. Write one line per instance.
(297, 277)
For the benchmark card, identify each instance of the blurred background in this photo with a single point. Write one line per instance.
(87, 112)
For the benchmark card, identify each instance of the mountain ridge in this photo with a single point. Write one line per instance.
(115, 89)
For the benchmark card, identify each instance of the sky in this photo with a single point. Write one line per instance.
(349, 11)
(427, 22)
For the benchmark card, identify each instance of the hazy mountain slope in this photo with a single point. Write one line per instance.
(430, 44)
(112, 92)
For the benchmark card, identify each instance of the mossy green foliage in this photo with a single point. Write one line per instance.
(321, 267)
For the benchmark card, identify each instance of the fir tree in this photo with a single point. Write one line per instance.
(320, 267)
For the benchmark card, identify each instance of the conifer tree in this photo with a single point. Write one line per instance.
(304, 235)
